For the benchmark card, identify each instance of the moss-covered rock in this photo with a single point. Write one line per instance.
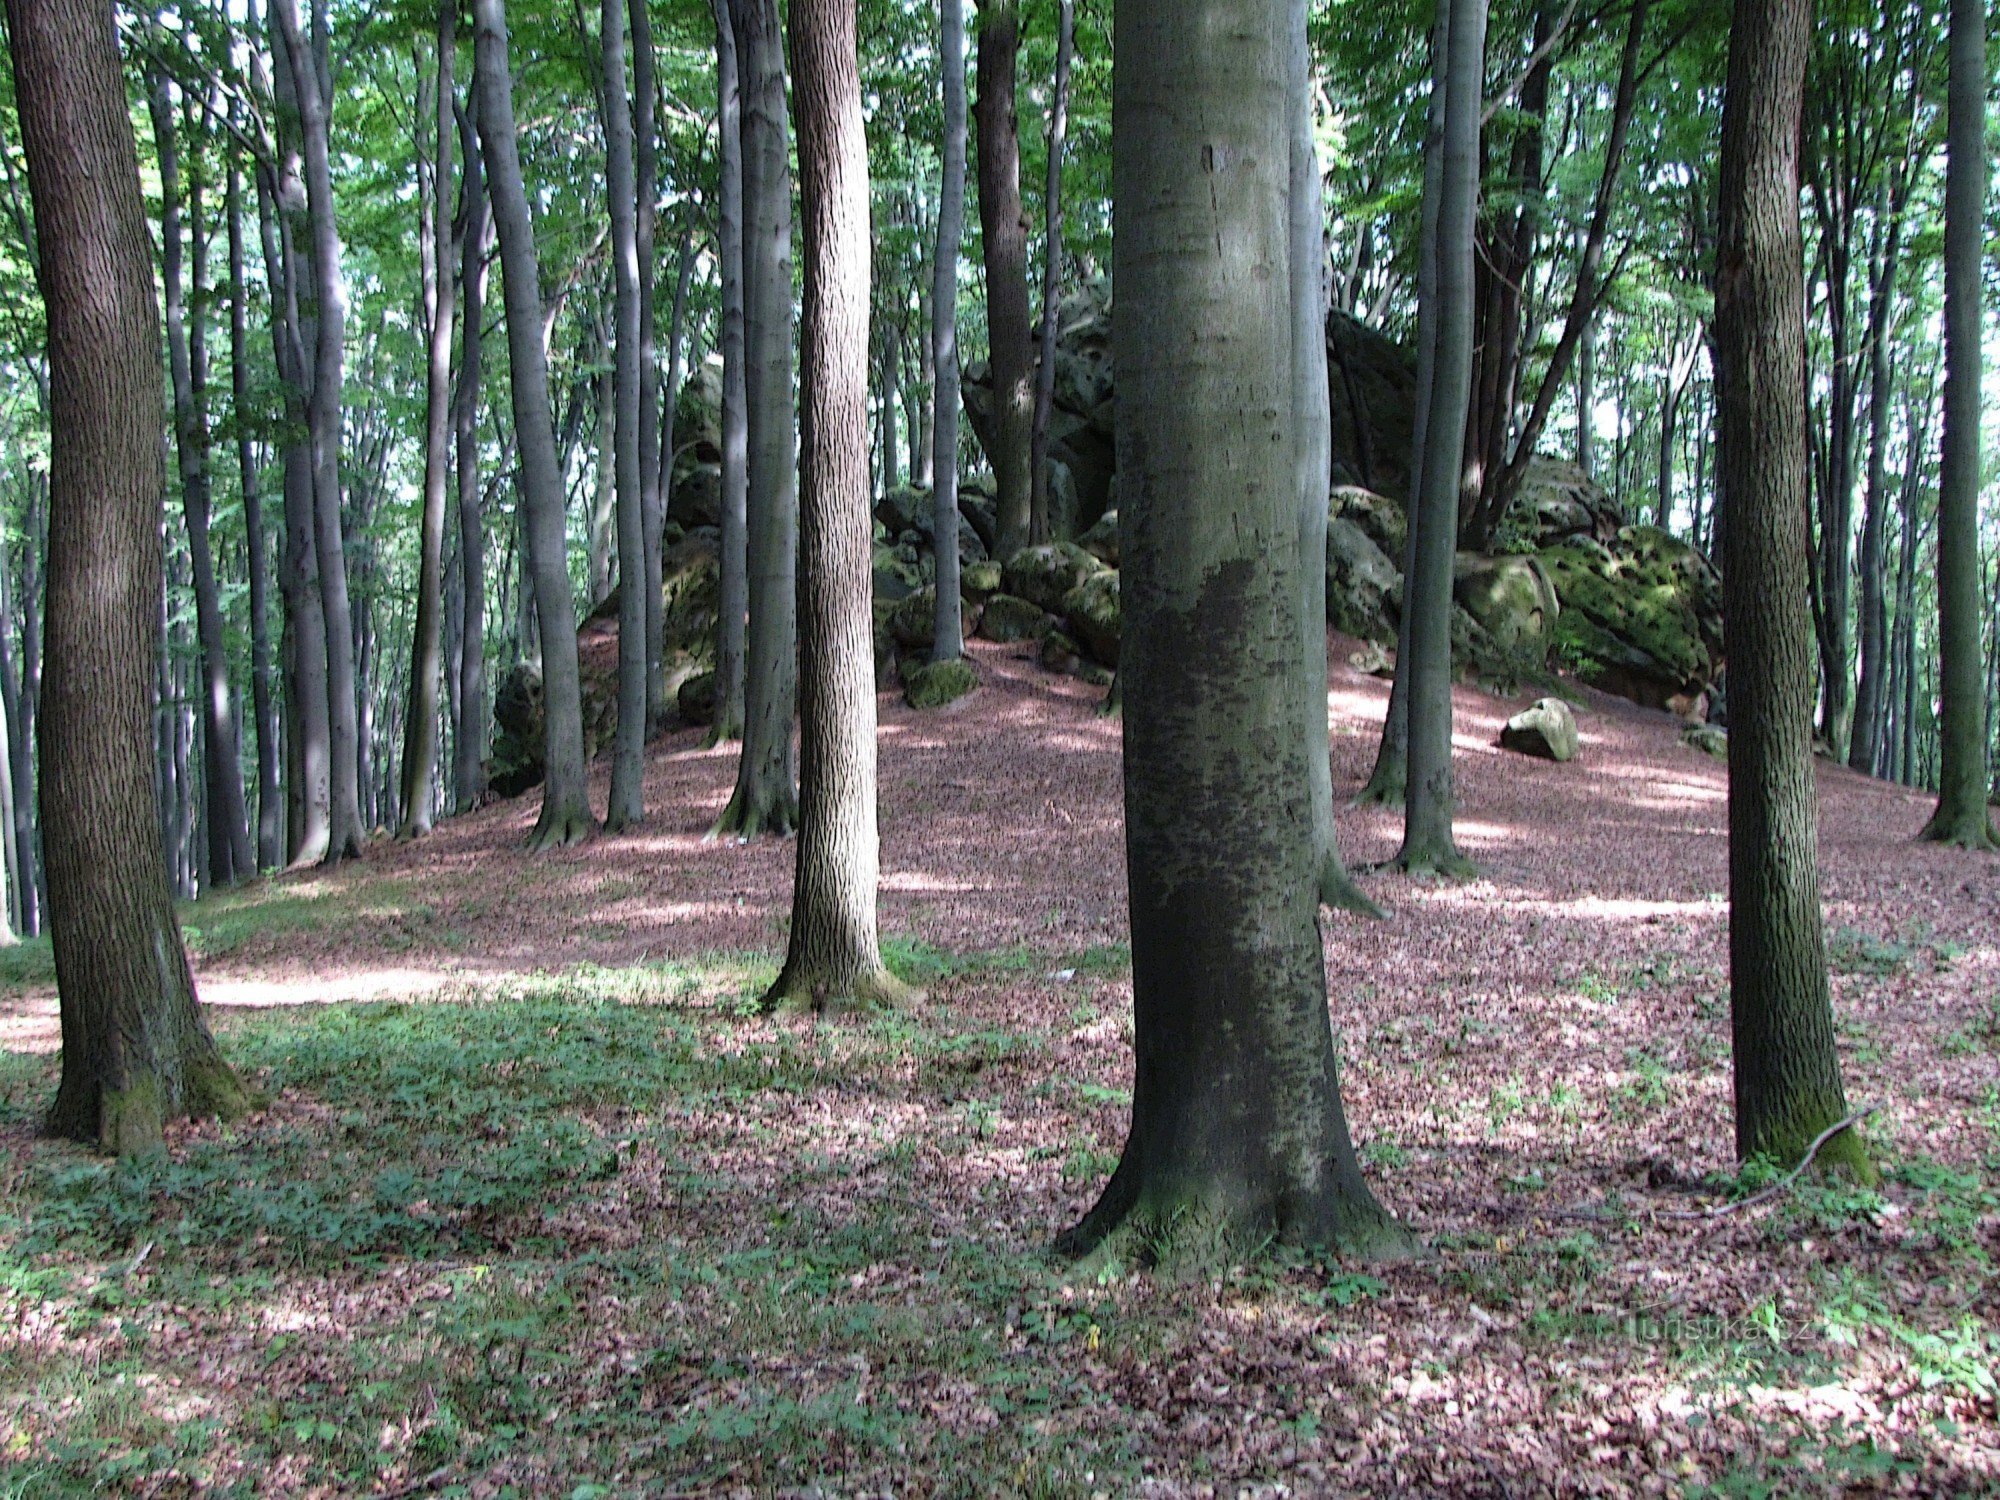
(1641, 617)
(1709, 739)
(1007, 619)
(912, 622)
(1382, 518)
(1360, 582)
(1513, 598)
(979, 581)
(1101, 540)
(1044, 575)
(1092, 616)
(933, 684)
(696, 699)
(1059, 652)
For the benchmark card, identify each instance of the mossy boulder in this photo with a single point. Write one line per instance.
(1641, 617)
(912, 622)
(1547, 730)
(1361, 583)
(933, 684)
(1513, 598)
(1059, 652)
(1007, 618)
(979, 581)
(696, 699)
(1092, 616)
(1557, 500)
(1044, 575)
(1101, 540)
(1382, 518)
(1709, 739)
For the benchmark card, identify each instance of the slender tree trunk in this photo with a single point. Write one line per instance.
(298, 68)
(923, 431)
(1788, 1086)
(474, 235)
(136, 1051)
(652, 493)
(1864, 751)
(891, 400)
(1003, 225)
(832, 960)
(1429, 797)
(948, 623)
(766, 796)
(566, 816)
(1052, 247)
(1238, 1137)
(427, 639)
(1962, 817)
(1586, 398)
(604, 501)
(17, 830)
(627, 807)
(734, 584)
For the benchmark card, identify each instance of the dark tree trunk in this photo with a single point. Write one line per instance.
(427, 639)
(833, 961)
(1962, 817)
(1238, 1137)
(766, 796)
(1429, 797)
(1052, 246)
(652, 494)
(734, 584)
(565, 817)
(1864, 749)
(136, 1051)
(1788, 1086)
(627, 807)
(1003, 226)
(948, 622)
(474, 236)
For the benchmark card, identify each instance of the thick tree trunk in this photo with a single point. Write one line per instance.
(136, 1052)
(1429, 797)
(948, 623)
(1962, 817)
(1238, 1137)
(1052, 247)
(627, 807)
(766, 796)
(734, 584)
(427, 639)
(345, 831)
(566, 817)
(1003, 226)
(832, 961)
(231, 857)
(1788, 1085)
(474, 234)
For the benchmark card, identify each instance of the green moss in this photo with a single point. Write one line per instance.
(936, 683)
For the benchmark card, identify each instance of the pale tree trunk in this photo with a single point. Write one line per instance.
(734, 584)
(136, 1051)
(627, 807)
(1788, 1086)
(298, 67)
(427, 643)
(923, 427)
(833, 961)
(948, 624)
(1434, 507)
(604, 476)
(1388, 781)
(566, 816)
(652, 494)
(1586, 397)
(263, 671)
(1962, 817)
(474, 235)
(231, 857)
(1865, 745)
(1238, 1138)
(1003, 225)
(766, 795)
(1052, 244)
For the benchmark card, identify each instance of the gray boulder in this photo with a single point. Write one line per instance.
(1546, 730)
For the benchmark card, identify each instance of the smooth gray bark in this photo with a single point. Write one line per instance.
(474, 240)
(948, 634)
(734, 583)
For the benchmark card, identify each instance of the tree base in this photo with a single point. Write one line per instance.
(749, 817)
(1969, 828)
(1338, 890)
(798, 993)
(1113, 706)
(1182, 1233)
(132, 1121)
(617, 820)
(1386, 787)
(1432, 864)
(723, 731)
(561, 828)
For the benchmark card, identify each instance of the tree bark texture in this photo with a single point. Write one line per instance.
(734, 585)
(1788, 1086)
(475, 233)
(1052, 246)
(136, 1051)
(1003, 226)
(948, 623)
(652, 492)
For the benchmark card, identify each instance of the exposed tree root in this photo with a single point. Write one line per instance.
(1972, 829)
(798, 993)
(1338, 890)
(746, 818)
(1385, 787)
(560, 828)
(1432, 865)
(1184, 1236)
(723, 732)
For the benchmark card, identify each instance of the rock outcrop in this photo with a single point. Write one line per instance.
(1546, 730)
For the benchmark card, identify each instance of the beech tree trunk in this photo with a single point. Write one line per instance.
(652, 493)
(1962, 816)
(299, 70)
(1238, 1137)
(420, 720)
(734, 584)
(766, 796)
(1864, 748)
(474, 235)
(566, 816)
(1429, 797)
(833, 961)
(1788, 1085)
(1003, 226)
(627, 807)
(1052, 245)
(231, 857)
(136, 1051)
(948, 623)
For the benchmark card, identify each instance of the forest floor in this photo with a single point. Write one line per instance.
(539, 1205)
